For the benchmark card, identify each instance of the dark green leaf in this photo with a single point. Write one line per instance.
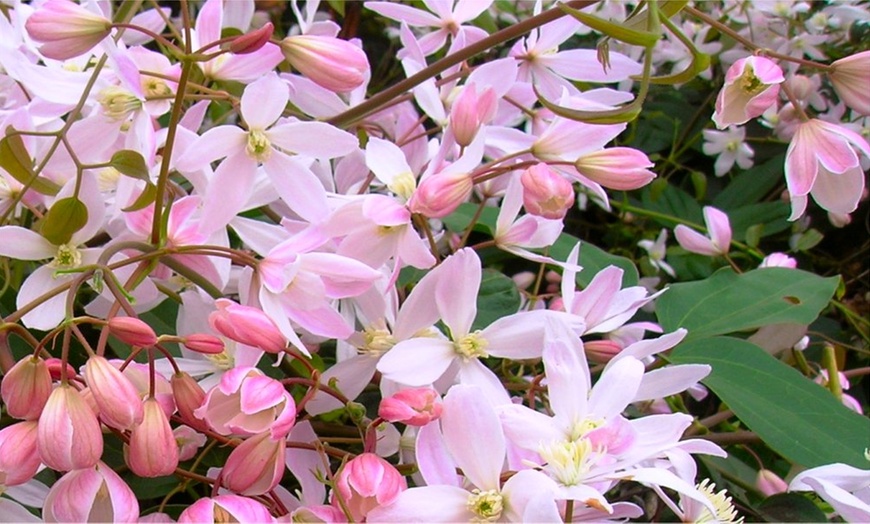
(727, 302)
(65, 217)
(809, 239)
(791, 507)
(673, 202)
(131, 163)
(772, 217)
(15, 160)
(751, 185)
(498, 297)
(797, 418)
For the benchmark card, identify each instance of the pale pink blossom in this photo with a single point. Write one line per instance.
(470, 111)
(728, 146)
(153, 450)
(620, 168)
(92, 494)
(189, 441)
(851, 76)
(718, 241)
(335, 64)
(846, 488)
(778, 260)
(255, 467)
(26, 387)
(247, 325)
(518, 235)
(657, 250)
(769, 483)
(751, 86)
(69, 435)
(235, 507)
(823, 160)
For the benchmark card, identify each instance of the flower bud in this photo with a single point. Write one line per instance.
(778, 260)
(189, 441)
(769, 483)
(619, 168)
(318, 514)
(153, 450)
(132, 331)
(247, 325)
(66, 29)
(189, 396)
(367, 482)
(415, 406)
(92, 494)
(19, 456)
(546, 193)
(119, 402)
(225, 508)
(470, 111)
(253, 41)
(202, 343)
(69, 435)
(439, 195)
(54, 367)
(256, 466)
(26, 387)
(851, 78)
(330, 62)
(601, 351)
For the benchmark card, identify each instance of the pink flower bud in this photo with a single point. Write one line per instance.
(718, 228)
(470, 111)
(256, 466)
(202, 343)
(153, 451)
(253, 41)
(26, 387)
(851, 78)
(189, 396)
(66, 29)
(778, 260)
(751, 86)
(439, 195)
(367, 482)
(117, 398)
(322, 514)
(54, 367)
(769, 483)
(415, 406)
(601, 351)
(19, 456)
(225, 508)
(132, 331)
(247, 325)
(92, 494)
(546, 193)
(69, 435)
(247, 402)
(619, 168)
(332, 63)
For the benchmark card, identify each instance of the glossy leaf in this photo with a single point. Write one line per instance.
(64, 218)
(796, 417)
(791, 507)
(131, 163)
(727, 302)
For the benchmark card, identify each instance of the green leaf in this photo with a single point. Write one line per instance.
(727, 302)
(772, 217)
(145, 198)
(614, 30)
(674, 202)
(131, 163)
(65, 217)
(592, 258)
(700, 62)
(809, 239)
(498, 297)
(15, 160)
(791, 507)
(797, 418)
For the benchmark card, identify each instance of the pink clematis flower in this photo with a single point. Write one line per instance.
(823, 160)
(717, 243)
(751, 86)
(845, 488)
(851, 76)
(92, 494)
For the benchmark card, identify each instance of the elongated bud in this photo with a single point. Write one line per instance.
(19, 456)
(202, 343)
(255, 466)
(26, 388)
(132, 331)
(66, 29)
(92, 494)
(470, 111)
(118, 399)
(769, 483)
(69, 435)
(439, 195)
(332, 63)
(253, 41)
(153, 451)
(601, 351)
(367, 482)
(414, 406)
(247, 325)
(620, 168)
(546, 193)
(189, 396)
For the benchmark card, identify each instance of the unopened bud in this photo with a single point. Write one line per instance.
(330, 62)
(132, 331)
(153, 450)
(769, 483)
(546, 193)
(69, 435)
(189, 396)
(415, 407)
(26, 388)
(202, 343)
(118, 399)
(619, 168)
(439, 195)
(470, 111)
(253, 41)
(256, 465)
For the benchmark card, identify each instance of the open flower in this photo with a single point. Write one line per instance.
(751, 86)
(717, 243)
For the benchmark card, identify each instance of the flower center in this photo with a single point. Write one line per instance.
(569, 461)
(67, 256)
(471, 346)
(749, 83)
(403, 185)
(155, 87)
(107, 178)
(377, 341)
(725, 512)
(222, 360)
(487, 505)
(118, 103)
(259, 148)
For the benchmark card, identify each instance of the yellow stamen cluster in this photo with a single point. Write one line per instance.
(471, 346)
(725, 512)
(259, 148)
(486, 505)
